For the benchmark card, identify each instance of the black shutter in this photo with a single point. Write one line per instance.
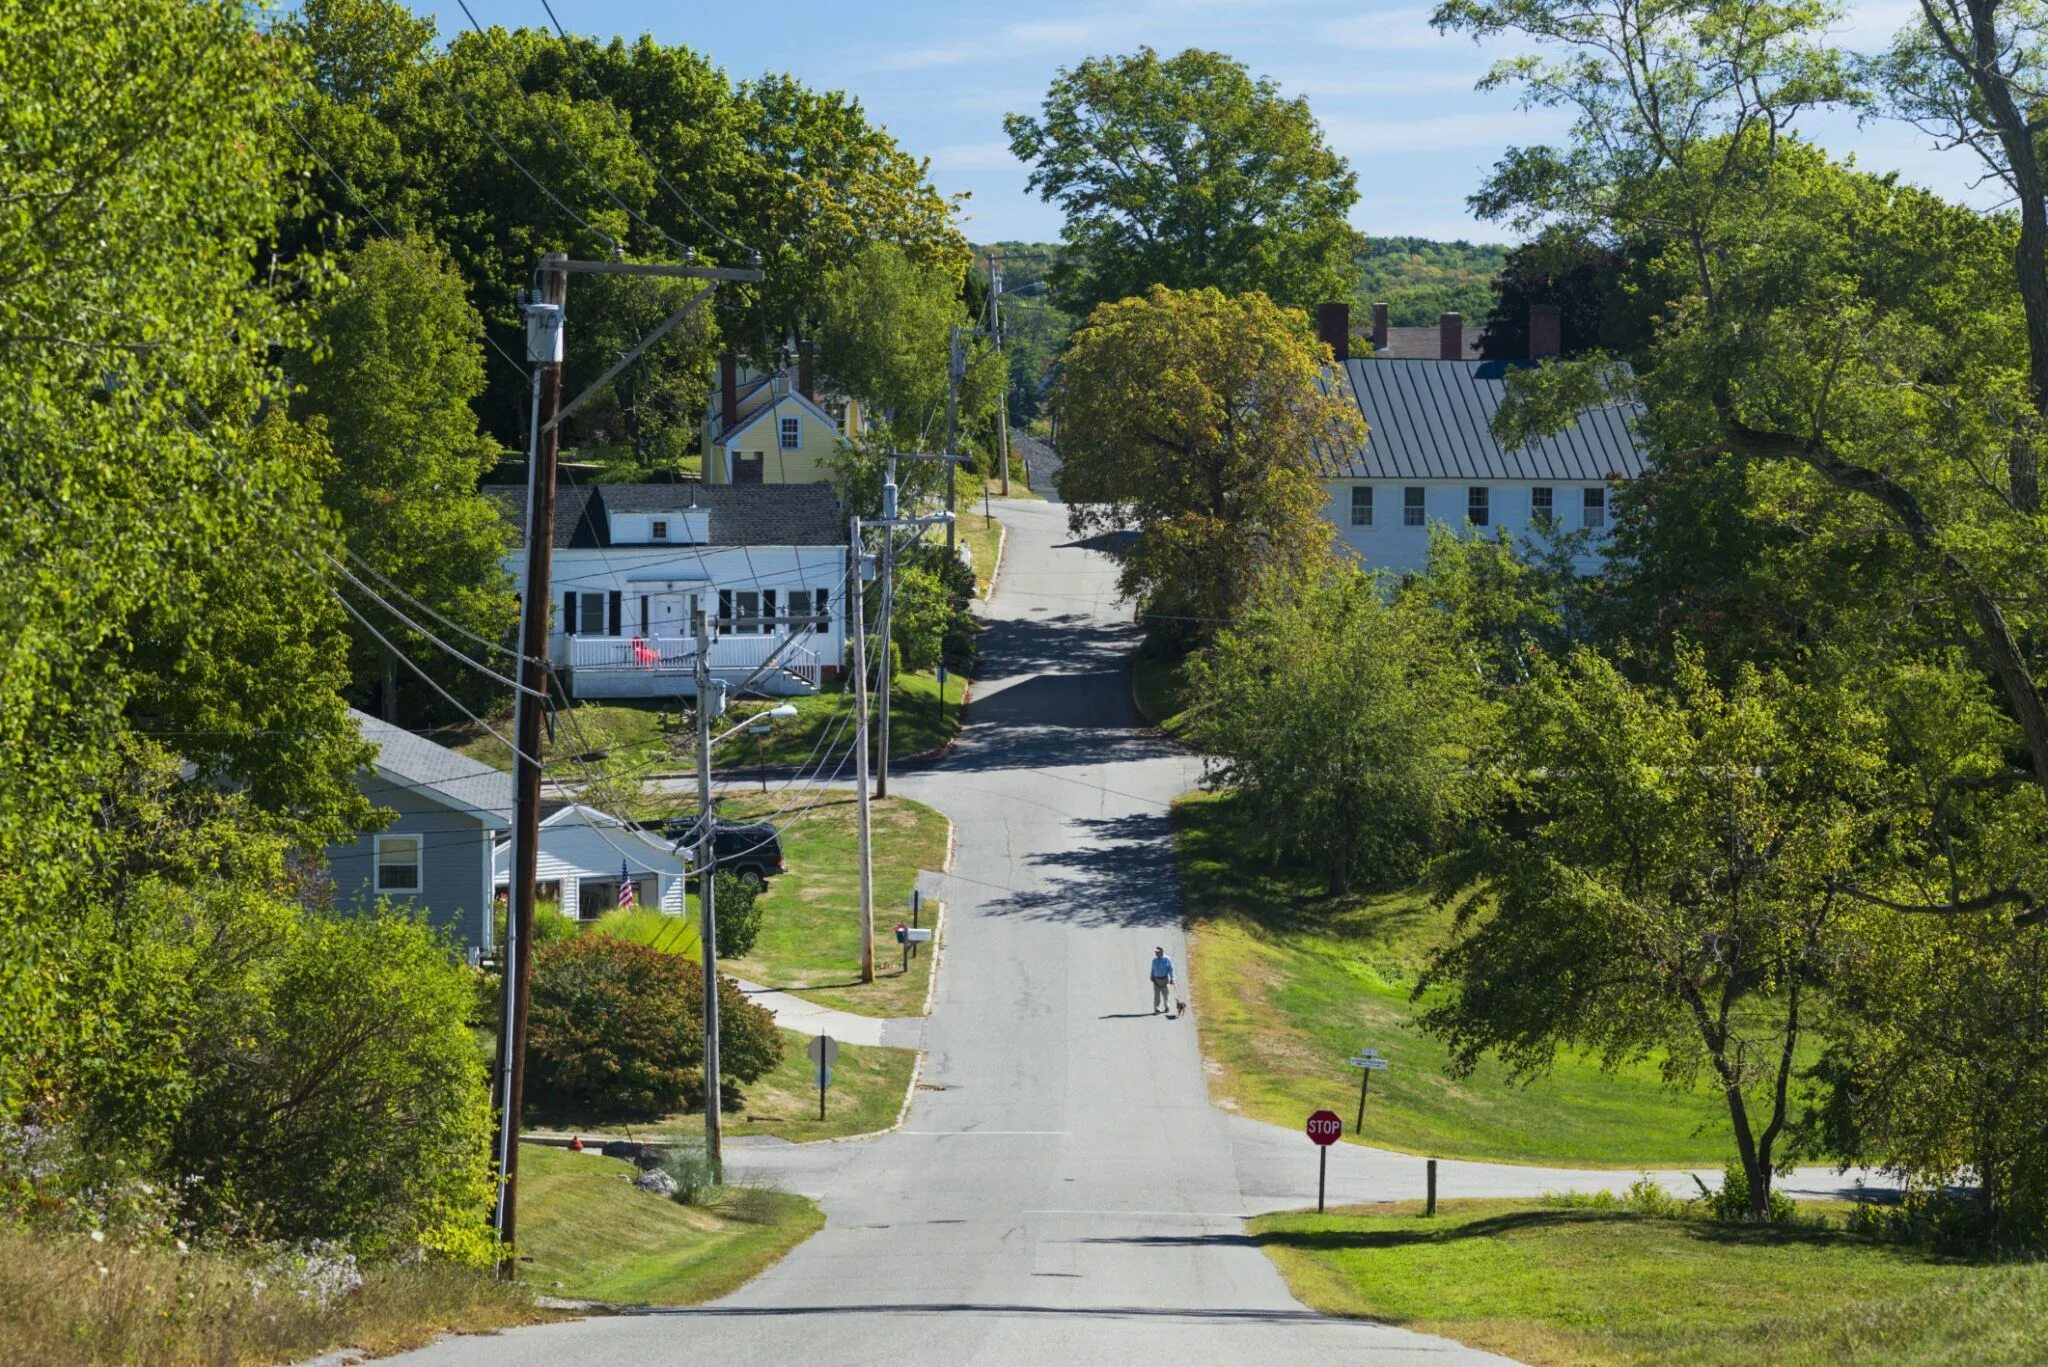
(725, 607)
(643, 628)
(569, 613)
(767, 611)
(824, 616)
(613, 612)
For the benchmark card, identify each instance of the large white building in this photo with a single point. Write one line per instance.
(1430, 457)
(635, 563)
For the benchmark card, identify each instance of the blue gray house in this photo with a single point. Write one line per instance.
(436, 851)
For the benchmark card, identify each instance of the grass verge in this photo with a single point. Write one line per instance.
(810, 924)
(1547, 1283)
(590, 1233)
(983, 536)
(823, 725)
(1161, 687)
(65, 1300)
(1291, 981)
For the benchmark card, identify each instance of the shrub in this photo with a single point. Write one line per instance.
(1731, 1202)
(695, 1175)
(345, 1099)
(645, 925)
(739, 916)
(616, 1029)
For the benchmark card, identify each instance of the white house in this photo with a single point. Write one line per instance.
(1430, 456)
(634, 563)
(584, 857)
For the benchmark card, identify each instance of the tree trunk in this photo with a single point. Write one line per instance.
(390, 689)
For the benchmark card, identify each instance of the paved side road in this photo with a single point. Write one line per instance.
(1062, 1191)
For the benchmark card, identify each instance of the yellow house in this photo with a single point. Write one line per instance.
(771, 429)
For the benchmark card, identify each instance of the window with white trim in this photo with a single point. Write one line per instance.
(1411, 506)
(398, 863)
(1596, 508)
(1361, 505)
(590, 614)
(1478, 505)
(1542, 505)
(661, 534)
(792, 433)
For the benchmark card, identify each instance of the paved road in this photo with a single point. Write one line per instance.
(1062, 1191)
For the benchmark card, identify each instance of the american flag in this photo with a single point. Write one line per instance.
(625, 886)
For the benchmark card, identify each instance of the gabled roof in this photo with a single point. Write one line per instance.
(624, 842)
(775, 406)
(438, 772)
(1430, 420)
(1426, 344)
(741, 514)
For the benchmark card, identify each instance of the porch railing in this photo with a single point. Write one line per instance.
(731, 655)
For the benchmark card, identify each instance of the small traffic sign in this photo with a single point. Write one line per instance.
(823, 1049)
(1373, 1063)
(1325, 1127)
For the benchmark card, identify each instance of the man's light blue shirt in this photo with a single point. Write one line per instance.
(1162, 967)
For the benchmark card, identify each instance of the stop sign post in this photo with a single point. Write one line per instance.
(1325, 1129)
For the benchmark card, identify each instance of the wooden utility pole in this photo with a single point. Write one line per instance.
(956, 371)
(883, 628)
(995, 324)
(544, 349)
(707, 905)
(856, 597)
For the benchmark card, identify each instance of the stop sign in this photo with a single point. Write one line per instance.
(1325, 1128)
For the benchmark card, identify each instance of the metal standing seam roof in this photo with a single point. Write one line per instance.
(1430, 420)
(423, 766)
(741, 514)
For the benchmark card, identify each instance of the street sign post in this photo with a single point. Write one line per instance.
(823, 1050)
(1369, 1062)
(1325, 1129)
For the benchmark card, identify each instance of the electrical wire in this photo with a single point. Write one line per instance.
(538, 183)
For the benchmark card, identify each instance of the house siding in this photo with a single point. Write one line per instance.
(571, 851)
(455, 862)
(1389, 544)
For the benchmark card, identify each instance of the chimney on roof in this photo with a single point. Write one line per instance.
(1450, 329)
(1333, 327)
(1379, 327)
(807, 370)
(1546, 331)
(728, 389)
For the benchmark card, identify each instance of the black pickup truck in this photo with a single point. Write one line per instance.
(751, 850)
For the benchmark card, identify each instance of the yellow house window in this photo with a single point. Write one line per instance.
(792, 433)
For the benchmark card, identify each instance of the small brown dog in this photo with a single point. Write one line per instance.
(1180, 1006)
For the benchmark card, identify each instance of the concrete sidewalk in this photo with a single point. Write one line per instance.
(792, 1012)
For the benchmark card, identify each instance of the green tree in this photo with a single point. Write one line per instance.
(1664, 877)
(919, 620)
(885, 334)
(1186, 172)
(1196, 420)
(396, 366)
(1345, 723)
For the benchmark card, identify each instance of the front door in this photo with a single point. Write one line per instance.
(670, 614)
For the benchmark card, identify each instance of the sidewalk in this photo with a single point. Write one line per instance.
(792, 1012)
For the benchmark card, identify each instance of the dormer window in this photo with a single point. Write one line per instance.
(661, 529)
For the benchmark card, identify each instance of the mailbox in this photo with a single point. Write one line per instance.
(913, 937)
(902, 933)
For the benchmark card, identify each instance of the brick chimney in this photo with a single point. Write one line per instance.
(1546, 331)
(728, 389)
(1333, 327)
(807, 370)
(1450, 329)
(1379, 327)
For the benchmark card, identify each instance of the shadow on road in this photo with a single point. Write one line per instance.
(1120, 873)
(1291, 1316)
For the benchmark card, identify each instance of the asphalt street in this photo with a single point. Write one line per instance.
(1062, 1190)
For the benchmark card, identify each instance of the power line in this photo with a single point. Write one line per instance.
(520, 166)
(567, 146)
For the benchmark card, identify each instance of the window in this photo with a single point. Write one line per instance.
(792, 433)
(661, 529)
(746, 610)
(807, 608)
(1411, 506)
(1596, 507)
(1476, 505)
(747, 466)
(589, 614)
(1361, 505)
(398, 863)
(1542, 507)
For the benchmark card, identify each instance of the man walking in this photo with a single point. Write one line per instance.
(1162, 981)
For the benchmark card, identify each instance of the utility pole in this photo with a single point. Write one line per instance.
(707, 903)
(857, 597)
(888, 645)
(995, 323)
(956, 371)
(544, 327)
(544, 348)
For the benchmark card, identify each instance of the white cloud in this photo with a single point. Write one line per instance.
(973, 156)
(1397, 30)
(1362, 138)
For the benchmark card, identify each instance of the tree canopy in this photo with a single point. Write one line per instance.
(1187, 172)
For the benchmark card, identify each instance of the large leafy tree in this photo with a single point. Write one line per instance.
(1667, 876)
(1187, 172)
(1344, 722)
(396, 366)
(885, 336)
(1196, 420)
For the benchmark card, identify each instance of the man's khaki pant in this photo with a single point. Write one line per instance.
(1162, 994)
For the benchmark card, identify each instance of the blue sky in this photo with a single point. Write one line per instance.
(1393, 96)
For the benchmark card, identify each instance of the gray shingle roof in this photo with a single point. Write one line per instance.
(741, 514)
(420, 764)
(1429, 420)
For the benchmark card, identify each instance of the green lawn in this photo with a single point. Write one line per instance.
(590, 1233)
(1548, 1283)
(984, 537)
(1290, 982)
(824, 724)
(810, 929)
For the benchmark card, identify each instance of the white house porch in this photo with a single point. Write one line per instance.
(784, 664)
